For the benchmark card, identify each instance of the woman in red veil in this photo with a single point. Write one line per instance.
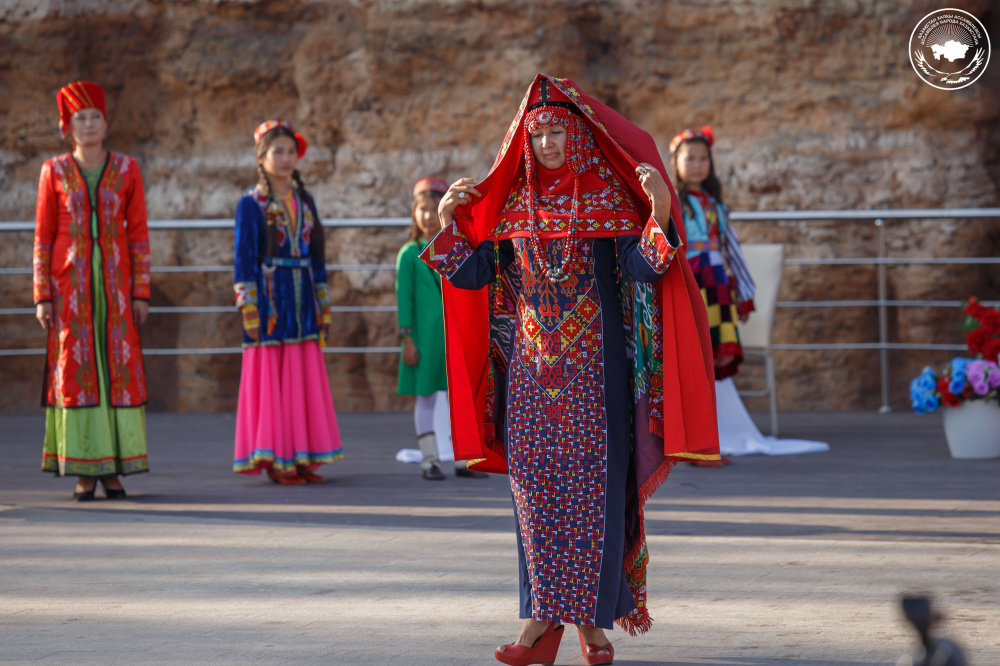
(578, 356)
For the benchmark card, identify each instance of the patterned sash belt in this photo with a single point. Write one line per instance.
(268, 267)
(287, 262)
(702, 246)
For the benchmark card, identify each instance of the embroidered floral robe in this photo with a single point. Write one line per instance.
(62, 275)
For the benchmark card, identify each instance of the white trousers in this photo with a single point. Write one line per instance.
(430, 415)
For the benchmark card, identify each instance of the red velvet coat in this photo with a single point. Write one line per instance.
(62, 275)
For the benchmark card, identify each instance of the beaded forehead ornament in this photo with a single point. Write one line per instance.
(580, 154)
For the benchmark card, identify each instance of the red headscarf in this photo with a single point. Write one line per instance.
(689, 427)
(268, 125)
(75, 97)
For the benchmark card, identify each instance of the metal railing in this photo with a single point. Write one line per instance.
(878, 217)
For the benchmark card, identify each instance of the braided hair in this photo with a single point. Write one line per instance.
(317, 243)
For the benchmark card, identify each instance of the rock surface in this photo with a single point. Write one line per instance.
(814, 104)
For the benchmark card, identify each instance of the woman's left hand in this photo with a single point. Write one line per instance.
(656, 189)
(140, 311)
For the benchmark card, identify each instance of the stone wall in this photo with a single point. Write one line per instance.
(814, 104)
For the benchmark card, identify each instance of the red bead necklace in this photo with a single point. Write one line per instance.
(555, 273)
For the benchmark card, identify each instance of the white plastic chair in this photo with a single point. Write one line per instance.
(766, 261)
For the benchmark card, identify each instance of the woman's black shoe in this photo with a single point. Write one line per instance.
(84, 495)
(112, 493)
(433, 473)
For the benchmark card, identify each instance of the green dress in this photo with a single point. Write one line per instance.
(102, 440)
(421, 316)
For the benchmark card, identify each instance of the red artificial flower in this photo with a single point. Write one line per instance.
(990, 321)
(976, 340)
(947, 397)
(991, 350)
(974, 308)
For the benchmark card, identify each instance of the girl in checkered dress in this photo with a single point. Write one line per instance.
(713, 248)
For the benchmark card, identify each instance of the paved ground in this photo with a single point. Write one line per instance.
(794, 561)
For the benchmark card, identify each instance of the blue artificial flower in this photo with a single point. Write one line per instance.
(957, 384)
(958, 368)
(929, 382)
(923, 392)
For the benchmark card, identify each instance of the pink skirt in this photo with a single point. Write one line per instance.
(285, 414)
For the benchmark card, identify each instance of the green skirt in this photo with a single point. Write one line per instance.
(102, 440)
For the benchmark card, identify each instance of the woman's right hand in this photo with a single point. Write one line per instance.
(411, 356)
(459, 194)
(253, 334)
(43, 313)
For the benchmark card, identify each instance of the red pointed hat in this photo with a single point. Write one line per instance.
(430, 185)
(268, 125)
(75, 97)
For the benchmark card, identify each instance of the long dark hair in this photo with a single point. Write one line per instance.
(427, 196)
(317, 243)
(712, 185)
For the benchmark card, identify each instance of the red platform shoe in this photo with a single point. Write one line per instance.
(721, 462)
(543, 651)
(309, 475)
(594, 654)
(285, 479)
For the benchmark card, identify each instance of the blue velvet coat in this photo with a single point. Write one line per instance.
(287, 291)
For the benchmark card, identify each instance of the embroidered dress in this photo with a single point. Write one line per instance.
(285, 416)
(568, 417)
(91, 259)
(421, 316)
(560, 322)
(714, 253)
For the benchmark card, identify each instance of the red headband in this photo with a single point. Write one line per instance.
(76, 97)
(268, 125)
(703, 133)
(430, 185)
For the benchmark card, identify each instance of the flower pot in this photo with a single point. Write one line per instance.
(973, 429)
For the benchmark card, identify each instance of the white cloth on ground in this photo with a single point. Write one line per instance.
(739, 435)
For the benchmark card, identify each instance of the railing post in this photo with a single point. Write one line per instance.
(883, 318)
